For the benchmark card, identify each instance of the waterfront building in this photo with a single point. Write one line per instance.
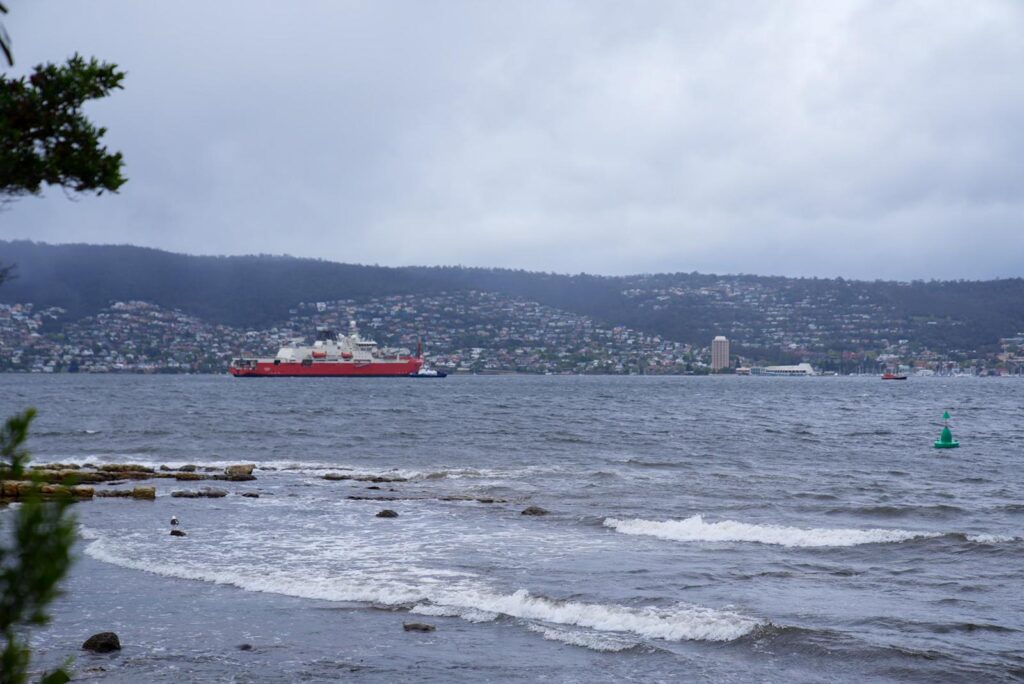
(719, 353)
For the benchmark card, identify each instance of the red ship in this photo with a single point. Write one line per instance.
(332, 355)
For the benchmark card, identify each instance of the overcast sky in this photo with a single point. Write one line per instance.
(862, 139)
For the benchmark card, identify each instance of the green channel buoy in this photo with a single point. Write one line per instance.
(946, 441)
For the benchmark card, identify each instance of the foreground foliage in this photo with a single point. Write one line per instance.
(44, 136)
(35, 554)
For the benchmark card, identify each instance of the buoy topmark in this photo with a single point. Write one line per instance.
(946, 441)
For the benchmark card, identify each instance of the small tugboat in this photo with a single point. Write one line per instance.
(331, 355)
(893, 375)
(428, 373)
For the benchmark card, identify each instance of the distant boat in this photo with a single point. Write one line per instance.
(428, 373)
(890, 375)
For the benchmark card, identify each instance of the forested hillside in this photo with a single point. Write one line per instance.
(759, 313)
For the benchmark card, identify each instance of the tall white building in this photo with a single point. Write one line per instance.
(719, 353)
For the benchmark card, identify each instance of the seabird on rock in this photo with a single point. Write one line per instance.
(174, 520)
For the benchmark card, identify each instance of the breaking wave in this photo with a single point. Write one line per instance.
(608, 643)
(468, 599)
(694, 529)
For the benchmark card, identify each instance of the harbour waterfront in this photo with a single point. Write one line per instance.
(706, 529)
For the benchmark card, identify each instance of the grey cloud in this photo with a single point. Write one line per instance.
(864, 139)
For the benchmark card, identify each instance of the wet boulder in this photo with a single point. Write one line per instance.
(251, 495)
(104, 642)
(240, 473)
(387, 513)
(178, 533)
(534, 510)
(55, 466)
(146, 493)
(418, 627)
(86, 476)
(124, 468)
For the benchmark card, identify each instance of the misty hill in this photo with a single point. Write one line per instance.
(765, 316)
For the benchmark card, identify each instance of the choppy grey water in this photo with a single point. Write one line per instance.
(700, 529)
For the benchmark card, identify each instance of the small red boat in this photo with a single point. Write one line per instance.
(331, 355)
(889, 375)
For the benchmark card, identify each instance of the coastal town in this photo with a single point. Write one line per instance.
(484, 332)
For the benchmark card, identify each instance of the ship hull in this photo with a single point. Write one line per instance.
(328, 369)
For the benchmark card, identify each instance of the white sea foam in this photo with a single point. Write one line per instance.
(694, 529)
(87, 533)
(468, 599)
(595, 641)
(991, 538)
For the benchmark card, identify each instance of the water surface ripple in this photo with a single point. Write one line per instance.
(706, 529)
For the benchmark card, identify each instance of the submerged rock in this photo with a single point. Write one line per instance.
(478, 499)
(91, 477)
(189, 476)
(251, 495)
(362, 478)
(418, 627)
(104, 642)
(387, 513)
(245, 647)
(178, 533)
(205, 492)
(114, 494)
(534, 510)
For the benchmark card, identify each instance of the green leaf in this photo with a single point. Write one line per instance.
(56, 677)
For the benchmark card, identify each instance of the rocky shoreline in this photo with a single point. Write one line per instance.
(87, 482)
(74, 481)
